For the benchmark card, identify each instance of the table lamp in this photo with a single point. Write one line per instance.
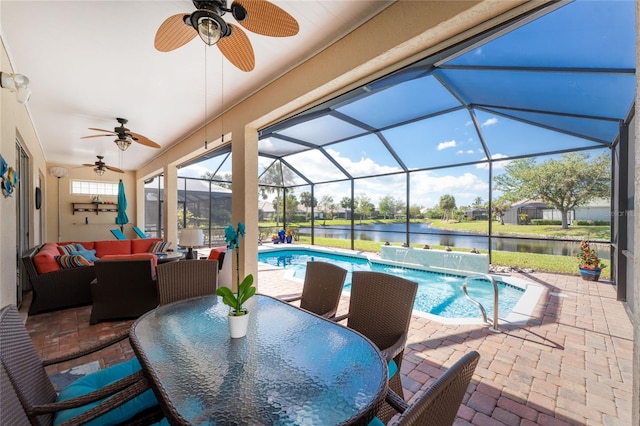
(191, 237)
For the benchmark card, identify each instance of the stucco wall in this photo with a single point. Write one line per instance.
(15, 124)
(73, 226)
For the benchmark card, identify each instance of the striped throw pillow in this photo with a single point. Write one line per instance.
(160, 247)
(67, 249)
(72, 261)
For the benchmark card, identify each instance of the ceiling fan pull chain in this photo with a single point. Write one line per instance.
(222, 101)
(205, 97)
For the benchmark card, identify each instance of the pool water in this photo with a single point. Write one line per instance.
(438, 294)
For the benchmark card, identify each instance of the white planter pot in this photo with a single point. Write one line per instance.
(238, 325)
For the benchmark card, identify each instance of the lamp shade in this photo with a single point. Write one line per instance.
(191, 237)
(58, 172)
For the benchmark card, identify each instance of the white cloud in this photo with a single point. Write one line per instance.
(447, 144)
(194, 171)
(496, 164)
(426, 187)
(489, 122)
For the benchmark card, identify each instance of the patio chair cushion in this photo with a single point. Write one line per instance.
(98, 380)
(112, 247)
(392, 368)
(139, 232)
(118, 234)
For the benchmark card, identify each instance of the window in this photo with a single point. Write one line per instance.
(88, 187)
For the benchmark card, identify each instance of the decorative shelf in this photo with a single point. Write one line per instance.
(96, 208)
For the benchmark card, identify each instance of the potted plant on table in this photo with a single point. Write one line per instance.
(238, 315)
(590, 264)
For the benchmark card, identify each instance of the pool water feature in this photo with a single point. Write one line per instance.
(439, 295)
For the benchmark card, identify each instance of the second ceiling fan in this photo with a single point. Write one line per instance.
(258, 16)
(100, 167)
(124, 136)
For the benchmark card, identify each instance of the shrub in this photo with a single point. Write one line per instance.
(583, 222)
(546, 222)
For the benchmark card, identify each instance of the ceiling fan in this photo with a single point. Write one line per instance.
(258, 16)
(100, 166)
(124, 136)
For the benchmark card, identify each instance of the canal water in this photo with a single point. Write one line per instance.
(422, 233)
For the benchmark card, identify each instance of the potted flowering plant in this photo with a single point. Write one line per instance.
(590, 264)
(238, 315)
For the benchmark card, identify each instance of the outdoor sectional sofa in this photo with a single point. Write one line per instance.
(56, 287)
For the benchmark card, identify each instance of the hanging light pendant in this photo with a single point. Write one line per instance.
(99, 171)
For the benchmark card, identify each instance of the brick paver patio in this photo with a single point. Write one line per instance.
(570, 364)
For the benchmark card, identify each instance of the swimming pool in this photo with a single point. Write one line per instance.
(439, 295)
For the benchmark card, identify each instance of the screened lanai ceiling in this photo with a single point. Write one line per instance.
(561, 79)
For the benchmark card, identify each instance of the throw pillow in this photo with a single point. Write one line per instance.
(90, 255)
(67, 249)
(160, 247)
(215, 253)
(70, 261)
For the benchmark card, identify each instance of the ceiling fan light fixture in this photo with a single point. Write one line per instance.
(210, 26)
(99, 171)
(123, 144)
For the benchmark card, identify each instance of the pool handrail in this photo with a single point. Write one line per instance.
(494, 327)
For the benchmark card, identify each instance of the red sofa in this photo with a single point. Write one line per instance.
(57, 287)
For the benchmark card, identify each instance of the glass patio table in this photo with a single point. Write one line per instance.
(292, 368)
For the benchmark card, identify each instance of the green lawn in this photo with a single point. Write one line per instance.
(574, 231)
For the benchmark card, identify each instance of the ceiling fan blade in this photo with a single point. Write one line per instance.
(173, 33)
(113, 169)
(111, 132)
(144, 140)
(237, 49)
(89, 165)
(266, 18)
(97, 136)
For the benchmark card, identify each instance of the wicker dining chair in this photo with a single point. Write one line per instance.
(323, 283)
(28, 395)
(439, 404)
(186, 279)
(123, 289)
(380, 308)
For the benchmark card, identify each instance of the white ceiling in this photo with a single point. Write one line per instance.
(92, 61)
